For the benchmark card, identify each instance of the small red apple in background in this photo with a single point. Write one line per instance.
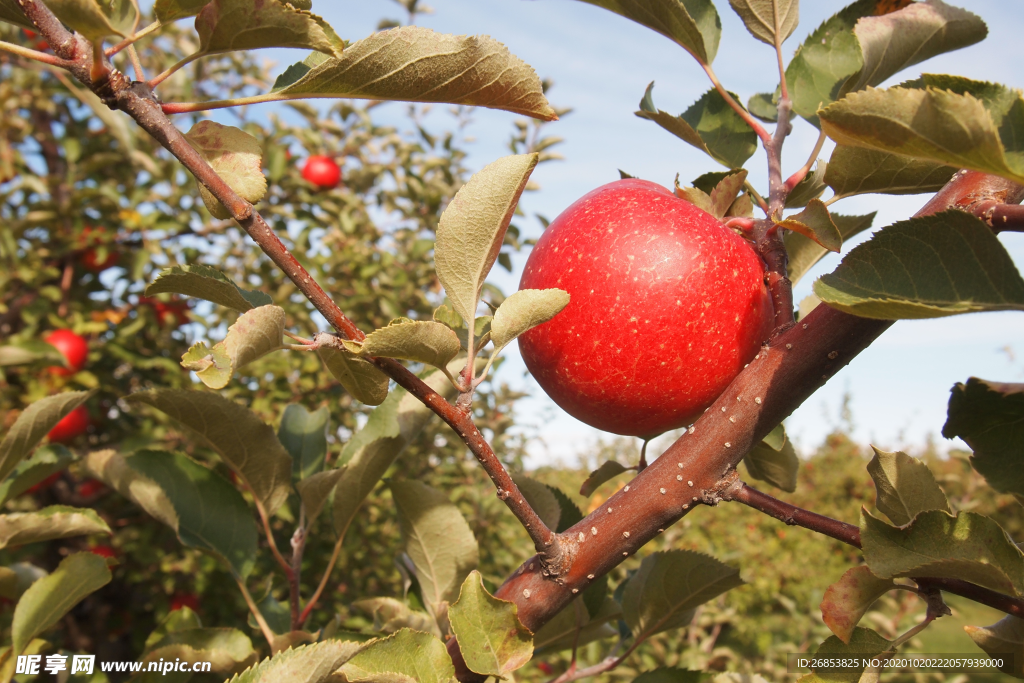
(322, 171)
(666, 306)
(71, 425)
(73, 347)
(190, 600)
(90, 257)
(44, 484)
(90, 488)
(39, 44)
(103, 551)
(172, 313)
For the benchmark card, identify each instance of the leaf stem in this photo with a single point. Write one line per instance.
(161, 77)
(270, 538)
(323, 580)
(795, 179)
(298, 544)
(766, 139)
(757, 196)
(132, 39)
(778, 52)
(268, 634)
(35, 55)
(133, 56)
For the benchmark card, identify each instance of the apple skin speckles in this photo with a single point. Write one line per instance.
(674, 309)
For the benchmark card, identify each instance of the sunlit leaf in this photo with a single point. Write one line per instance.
(47, 600)
(256, 333)
(849, 598)
(416, 64)
(541, 498)
(857, 170)
(768, 19)
(420, 341)
(925, 267)
(360, 377)
(228, 650)
(524, 310)
(314, 663)
(989, 417)
(55, 521)
(804, 252)
(391, 615)
(406, 655)
(96, 19)
(207, 283)
(225, 25)
(967, 546)
(245, 442)
(33, 424)
(211, 513)
(693, 24)
(44, 462)
(472, 229)
(710, 125)
(304, 436)
(905, 487)
(30, 351)
(669, 586)
(724, 193)
(815, 223)
(112, 469)
(492, 640)
(1002, 640)
(172, 10)
(437, 539)
(237, 158)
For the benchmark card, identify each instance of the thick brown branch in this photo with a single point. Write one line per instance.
(1001, 217)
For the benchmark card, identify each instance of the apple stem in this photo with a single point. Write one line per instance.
(642, 465)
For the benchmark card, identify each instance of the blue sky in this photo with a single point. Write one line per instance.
(600, 64)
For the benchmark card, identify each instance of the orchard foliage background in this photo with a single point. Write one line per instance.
(275, 513)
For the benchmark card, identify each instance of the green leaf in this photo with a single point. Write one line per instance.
(375, 447)
(314, 663)
(856, 170)
(415, 64)
(304, 435)
(811, 187)
(437, 539)
(570, 513)
(472, 229)
(804, 252)
(391, 615)
(112, 468)
(692, 24)
(55, 521)
(447, 316)
(421, 341)
(524, 310)
(247, 444)
(777, 466)
(671, 674)
(276, 613)
(229, 25)
(937, 544)
(181, 619)
(560, 633)
(979, 129)
(30, 351)
(418, 657)
(541, 498)
(724, 194)
(864, 644)
(849, 598)
(905, 487)
(33, 424)
(892, 42)
(96, 19)
(212, 514)
(764, 106)
(47, 600)
(204, 282)
(172, 10)
(815, 223)
(1003, 639)
(989, 417)
(606, 472)
(11, 12)
(710, 125)
(491, 638)
(360, 377)
(776, 438)
(44, 462)
(925, 267)
(255, 334)
(315, 489)
(16, 579)
(228, 650)
(235, 155)
(669, 586)
(768, 20)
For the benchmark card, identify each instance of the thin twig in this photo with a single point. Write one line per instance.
(795, 179)
(298, 548)
(268, 634)
(132, 39)
(270, 538)
(736, 106)
(34, 55)
(1001, 217)
(170, 71)
(133, 56)
(323, 579)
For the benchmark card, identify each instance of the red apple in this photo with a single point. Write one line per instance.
(666, 306)
(173, 313)
(190, 600)
(73, 347)
(39, 44)
(44, 484)
(90, 487)
(322, 172)
(90, 257)
(71, 425)
(103, 551)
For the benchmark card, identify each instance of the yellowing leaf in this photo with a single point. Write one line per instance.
(47, 600)
(211, 365)
(848, 599)
(421, 341)
(228, 650)
(55, 521)
(815, 223)
(523, 311)
(407, 657)
(236, 156)
(905, 487)
(1002, 640)
(304, 664)
(225, 25)
(256, 333)
(472, 228)
(724, 194)
(768, 20)
(492, 640)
